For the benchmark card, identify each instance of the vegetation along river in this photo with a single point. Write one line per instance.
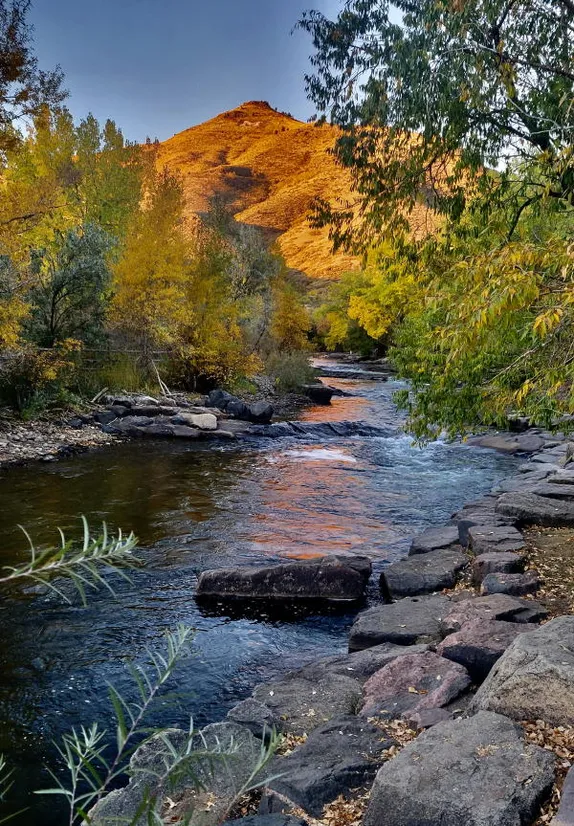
(195, 507)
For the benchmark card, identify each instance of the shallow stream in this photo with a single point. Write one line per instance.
(194, 507)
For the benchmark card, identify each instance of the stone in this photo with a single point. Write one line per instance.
(478, 771)
(409, 621)
(479, 644)
(338, 757)
(495, 607)
(479, 515)
(503, 562)
(361, 664)
(255, 716)
(565, 814)
(489, 538)
(534, 678)
(260, 412)
(203, 421)
(434, 539)
(530, 509)
(422, 574)
(299, 705)
(516, 585)
(221, 779)
(413, 683)
(267, 820)
(318, 393)
(501, 443)
(530, 442)
(323, 580)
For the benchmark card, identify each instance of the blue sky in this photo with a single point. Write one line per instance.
(159, 66)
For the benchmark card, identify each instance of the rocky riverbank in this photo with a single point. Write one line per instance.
(455, 703)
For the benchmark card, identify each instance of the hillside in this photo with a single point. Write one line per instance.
(271, 166)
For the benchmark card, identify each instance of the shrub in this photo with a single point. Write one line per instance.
(290, 370)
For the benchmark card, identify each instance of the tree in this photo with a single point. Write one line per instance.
(290, 322)
(431, 93)
(24, 88)
(70, 289)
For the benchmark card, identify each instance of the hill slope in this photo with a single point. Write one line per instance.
(271, 166)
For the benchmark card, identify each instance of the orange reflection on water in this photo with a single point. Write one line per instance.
(343, 408)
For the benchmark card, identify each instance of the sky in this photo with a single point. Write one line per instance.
(157, 67)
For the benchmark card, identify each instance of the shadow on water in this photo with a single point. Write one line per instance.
(195, 507)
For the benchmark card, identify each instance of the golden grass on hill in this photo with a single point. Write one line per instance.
(271, 167)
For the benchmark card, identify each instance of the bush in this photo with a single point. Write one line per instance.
(33, 379)
(290, 370)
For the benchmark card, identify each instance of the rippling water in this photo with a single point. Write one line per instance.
(194, 507)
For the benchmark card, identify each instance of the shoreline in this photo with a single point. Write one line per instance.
(426, 676)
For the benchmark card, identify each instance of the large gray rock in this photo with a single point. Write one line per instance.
(222, 778)
(260, 412)
(409, 621)
(494, 607)
(413, 684)
(497, 562)
(514, 584)
(361, 664)
(479, 644)
(434, 539)
(565, 815)
(299, 705)
(494, 538)
(472, 772)
(530, 509)
(318, 393)
(203, 421)
(324, 580)
(338, 757)
(534, 679)
(422, 574)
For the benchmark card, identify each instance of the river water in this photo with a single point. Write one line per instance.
(195, 507)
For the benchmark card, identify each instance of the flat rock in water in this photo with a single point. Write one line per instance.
(494, 538)
(422, 574)
(479, 644)
(434, 539)
(361, 664)
(495, 607)
(338, 757)
(513, 584)
(222, 779)
(479, 516)
(497, 562)
(325, 580)
(534, 678)
(203, 421)
(502, 444)
(413, 683)
(472, 772)
(299, 705)
(530, 509)
(409, 621)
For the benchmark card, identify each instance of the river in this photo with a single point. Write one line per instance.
(194, 507)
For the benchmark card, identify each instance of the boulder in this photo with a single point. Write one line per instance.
(299, 705)
(260, 412)
(479, 644)
(565, 815)
(516, 585)
(494, 607)
(534, 678)
(413, 683)
(254, 715)
(338, 757)
(222, 779)
(471, 772)
(361, 664)
(435, 539)
(494, 538)
(503, 562)
(530, 509)
(422, 574)
(501, 443)
(479, 515)
(409, 621)
(203, 421)
(318, 393)
(324, 580)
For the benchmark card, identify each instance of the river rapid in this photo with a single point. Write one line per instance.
(194, 507)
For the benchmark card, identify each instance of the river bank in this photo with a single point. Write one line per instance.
(460, 680)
